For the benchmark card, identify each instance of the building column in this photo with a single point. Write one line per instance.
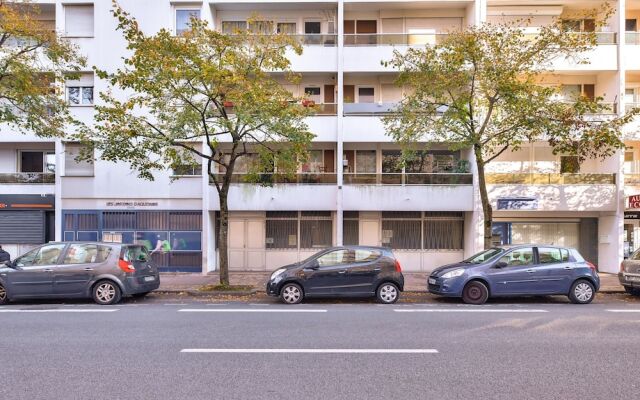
(59, 151)
(340, 122)
(209, 256)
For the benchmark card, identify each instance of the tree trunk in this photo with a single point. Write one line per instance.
(223, 235)
(487, 210)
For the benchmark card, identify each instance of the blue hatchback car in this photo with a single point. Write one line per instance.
(519, 270)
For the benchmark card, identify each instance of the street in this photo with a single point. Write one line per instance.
(171, 347)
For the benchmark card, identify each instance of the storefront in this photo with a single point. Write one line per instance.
(26, 221)
(631, 225)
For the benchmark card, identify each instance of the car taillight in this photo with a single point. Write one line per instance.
(398, 267)
(126, 266)
(593, 267)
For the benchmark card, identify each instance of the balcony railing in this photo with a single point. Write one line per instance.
(393, 39)
(601, 37)
(630, 106)
(317, 39)
(632, 38)
(369, 108)
(550, 179)
(269, 179)
(324, 109)
(407, 179)
(28, 178)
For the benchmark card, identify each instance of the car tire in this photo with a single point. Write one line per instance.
(632, 291)
(291, 293)
(106, 293)
(475, 292)
(387, 293)
(582, 292)
(139, 295)
(4, 298)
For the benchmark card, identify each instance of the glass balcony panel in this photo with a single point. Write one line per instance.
(28, 178)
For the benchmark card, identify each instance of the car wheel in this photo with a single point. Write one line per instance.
(4, 299)
(632, 291)
(387, 293)
(106, 293)
(475, 292)
(139, 295)
(582, 292)
(291, 293)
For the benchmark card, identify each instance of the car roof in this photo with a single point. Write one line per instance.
(525, 245)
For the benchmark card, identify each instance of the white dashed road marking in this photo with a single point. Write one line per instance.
(469, 310)
(315, 351)
(79, 310)
(248, 310)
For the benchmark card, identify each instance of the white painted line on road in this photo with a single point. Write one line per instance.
(80, 310)
(470, 310)
(624, 311)
(249, 310)
(315, 351)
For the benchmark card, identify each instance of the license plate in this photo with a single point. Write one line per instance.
(633, 278)
(149, 278)
(432, 281)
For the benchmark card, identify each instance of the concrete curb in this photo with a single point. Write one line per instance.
(198, 293)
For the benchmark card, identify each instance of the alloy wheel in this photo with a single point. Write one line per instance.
(291, 294)
(105, 292)
(388, 293)
(583, 292)
(3, 294)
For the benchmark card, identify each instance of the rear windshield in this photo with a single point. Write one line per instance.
(135, 253)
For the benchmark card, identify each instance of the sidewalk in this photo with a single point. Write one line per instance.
(414, 281)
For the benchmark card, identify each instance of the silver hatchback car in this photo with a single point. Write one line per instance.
(103, 271)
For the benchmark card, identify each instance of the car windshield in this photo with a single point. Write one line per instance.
(136, 253)
(484, 255)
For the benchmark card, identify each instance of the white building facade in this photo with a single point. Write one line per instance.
(350, 191)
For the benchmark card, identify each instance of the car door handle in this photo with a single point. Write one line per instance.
(531, 271)
(568, 267)
(88, 269)
(377, 269)
(343, 271)
(47, 270)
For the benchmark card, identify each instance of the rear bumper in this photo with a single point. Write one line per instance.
(138, 284)
(626, 279)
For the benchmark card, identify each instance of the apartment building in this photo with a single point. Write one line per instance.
(351, 190)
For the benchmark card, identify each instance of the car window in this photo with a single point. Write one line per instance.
(565, 255)
(45, 255)
(549, 255)
(484, 255)
(522, 256)
(337, 257)
(362, 255)
(136, 253)
(86, 254)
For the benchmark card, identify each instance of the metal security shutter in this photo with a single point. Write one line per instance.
(22, 227)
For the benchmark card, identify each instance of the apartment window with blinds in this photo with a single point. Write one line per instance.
(78, 20)
(231, 27)
(351, 228)
(281, 230)
(402, 229)
(316, 229)
(443, 231)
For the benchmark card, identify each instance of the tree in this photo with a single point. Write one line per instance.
(481, 88)
(34, 61)
(202, 86)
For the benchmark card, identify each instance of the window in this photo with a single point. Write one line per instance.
(80, 91)
(153, 241)
(181, 241)
(569, 165)
(366, 95)
(316, 229)
(402, 230)
(573, 92)
(261, 27)
(86, 254)
(366, 161)
(31, 161)
(366, 255)
(391, 161)
(183, 20)
(519, 257)
(443, 231)
(45, 255)
(313, 93)
(231, 27)
(136, 253)
(78, 20)
(565, 255)
(315, 163)
(288, 28)
(312, 27)
(350, 228)
(579, 25)
(548, 255)
(552, 233)
(338, 257)
(281, 230)
(630, 25)
(74, 167)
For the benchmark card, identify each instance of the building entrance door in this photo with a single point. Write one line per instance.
(246, 245)
(369, 233)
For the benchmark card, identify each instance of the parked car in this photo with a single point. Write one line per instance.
(520, 270)
(102, 271)
(629, 275)
(346, 271)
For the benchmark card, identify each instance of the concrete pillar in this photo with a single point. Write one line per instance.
(340, 121)
(610, 242)
(59, 151)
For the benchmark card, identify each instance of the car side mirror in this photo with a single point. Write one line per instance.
(314, 265)
(500, 264)
(8, 264)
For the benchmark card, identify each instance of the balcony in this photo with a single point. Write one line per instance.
(319, 54)
(369, 109)
(320, 178)
(29, 178)
(407, 179)
(555, 191)
(393, 39)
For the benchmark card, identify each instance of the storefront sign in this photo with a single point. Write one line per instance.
(633, 201)
(131, 204)
(632, 215)
(27, 202)
(517, 203)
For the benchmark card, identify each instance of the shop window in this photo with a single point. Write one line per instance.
(186, 241)
(154, 241)
(183, 20)
(118, 237)
(78, 20)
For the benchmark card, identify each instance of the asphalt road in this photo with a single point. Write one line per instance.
(184, 348)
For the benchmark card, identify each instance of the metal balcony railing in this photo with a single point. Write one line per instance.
(28, 178)
(601, 37)
(632, 38)
(312, 178)
(550, 179)
(393, 39)
(407, 179)
(369, 108)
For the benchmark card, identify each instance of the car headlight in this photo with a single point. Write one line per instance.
(277, 272)
(453, 274)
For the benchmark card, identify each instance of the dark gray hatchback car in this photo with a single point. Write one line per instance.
(629, 275)
(102, 271)
(346, 271)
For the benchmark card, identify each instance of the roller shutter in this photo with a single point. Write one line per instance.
(22, 227)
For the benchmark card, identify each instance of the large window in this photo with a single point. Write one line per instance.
(183, 19)
(443, 231)
(366, 161)
(78, 20)
(37, 161)
(293, 229)
(559, 234)
(409, 230)
(351, 228)
(74, 166)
